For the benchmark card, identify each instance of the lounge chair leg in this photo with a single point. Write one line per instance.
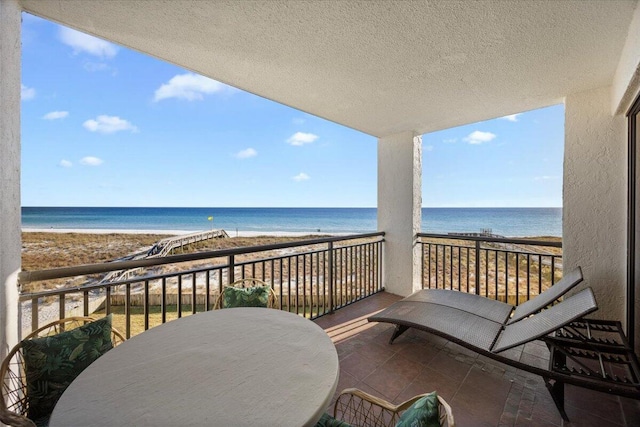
(556, 389)
(397, 332)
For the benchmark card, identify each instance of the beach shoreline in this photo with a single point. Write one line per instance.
(234, 233)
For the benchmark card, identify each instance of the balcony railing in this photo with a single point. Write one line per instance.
(310, 278)
(508, 270)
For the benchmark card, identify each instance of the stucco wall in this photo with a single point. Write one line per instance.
(595, 198)
(399, 209)
(9, 170)
(626, 82)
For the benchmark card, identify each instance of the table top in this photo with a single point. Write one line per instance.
(231, 367)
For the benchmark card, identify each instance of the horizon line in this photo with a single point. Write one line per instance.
(292, 207)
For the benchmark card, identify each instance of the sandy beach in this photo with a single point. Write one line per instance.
(231, 233)
(59, 247)
(52, 248)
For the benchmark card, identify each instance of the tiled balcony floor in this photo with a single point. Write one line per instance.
(481, 392)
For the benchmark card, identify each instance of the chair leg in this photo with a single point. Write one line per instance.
(557, 361)
(556, 389)
(397, 332)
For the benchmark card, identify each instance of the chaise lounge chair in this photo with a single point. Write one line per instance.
(579, 348)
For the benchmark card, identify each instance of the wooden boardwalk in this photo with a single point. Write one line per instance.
(165, 246)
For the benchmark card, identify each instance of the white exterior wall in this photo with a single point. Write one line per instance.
(10, 241)
(595, 198)
(626, 82)
(399, 209)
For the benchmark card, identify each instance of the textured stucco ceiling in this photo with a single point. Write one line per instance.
(378, 67)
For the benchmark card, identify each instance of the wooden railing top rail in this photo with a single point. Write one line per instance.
(80, 270)
(492, 239)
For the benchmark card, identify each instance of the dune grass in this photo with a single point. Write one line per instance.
(42, 250)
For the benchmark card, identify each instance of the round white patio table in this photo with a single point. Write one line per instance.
(231, 367)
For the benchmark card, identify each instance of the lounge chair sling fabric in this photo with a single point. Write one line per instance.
(490, 309)
(497, 311)
(569, 281)
(547, 321)
(584, 352)
(481, 333)
(457, 325)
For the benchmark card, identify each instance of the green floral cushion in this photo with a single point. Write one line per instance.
(51, 363)
(246, 297)
(327, 420)
(423, 413)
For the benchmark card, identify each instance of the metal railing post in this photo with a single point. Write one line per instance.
(422, 264)
(331, 277)
(232, 268)
(34, 314)
(477, 267)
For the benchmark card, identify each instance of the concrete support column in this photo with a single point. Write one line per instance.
(595, 198)
(10, 240)
(399, 209)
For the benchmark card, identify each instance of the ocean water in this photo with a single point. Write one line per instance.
(511, 222)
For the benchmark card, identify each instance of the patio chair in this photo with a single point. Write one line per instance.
(584, 352)
(247, 292)
(360, 409)
(15, 402)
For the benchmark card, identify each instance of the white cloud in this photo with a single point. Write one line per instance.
(54, 115)
(245, 154)
(65, 163)
(91, 161)
(81, 42)
(93, 67)
(545, 178)
(479, 137)
(27, 93)
(511, 117)
(449, 141)
(188, 86)
(301, 177)
(298, 121)
(301, 138)
(428, 148)
(108, 124)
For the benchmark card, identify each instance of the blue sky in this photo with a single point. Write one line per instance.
(103, 125)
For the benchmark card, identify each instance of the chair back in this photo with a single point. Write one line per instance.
(14, 404)
(247, 283)
(360, 409)
(569, 281)
(546, 321)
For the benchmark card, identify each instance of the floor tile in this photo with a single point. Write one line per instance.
(430, 380)
(358, 365)
(481, 391)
